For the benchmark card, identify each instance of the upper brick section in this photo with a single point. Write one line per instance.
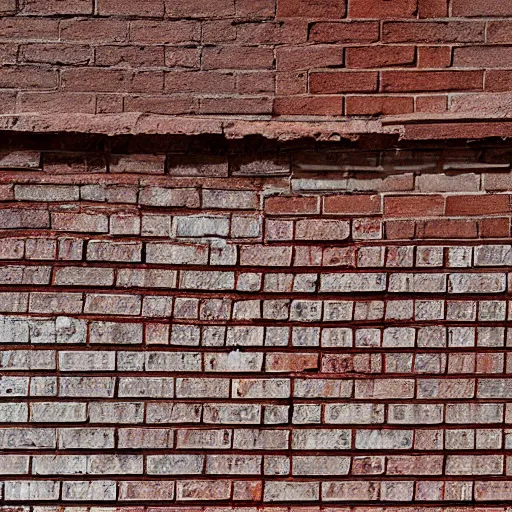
(267, 59)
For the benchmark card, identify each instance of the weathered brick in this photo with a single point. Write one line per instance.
(86, 438)
(101, 490)
(107, 304)
(146, 491)
(31, 490)
(60, 411)
(83, 276)
(350, 490)
(114, 251)
(201, 226)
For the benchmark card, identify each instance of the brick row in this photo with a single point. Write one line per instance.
(428, 387)
(328, 436)
(411, 166)
(240, 490)
(193, 464)
(32, 439)
(211, 251)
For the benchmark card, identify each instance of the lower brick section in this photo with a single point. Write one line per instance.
(290, 328)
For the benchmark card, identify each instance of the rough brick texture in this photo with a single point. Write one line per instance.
(198, 324)
(267, 58)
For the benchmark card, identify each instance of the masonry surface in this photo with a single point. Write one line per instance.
(255, 255)
(256, 57)
(216, 324)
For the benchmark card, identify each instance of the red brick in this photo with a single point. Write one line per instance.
(8, 53)
(56, 102)
(111, 80)
(432, 104)
(434, 56)
(376, 105)
(482, 57)
(170, 104)
(287, 31)
(45, 7)
(197, 165)
(235, 105)
(6, 192)
(494, 228)
(291, 83)
(291, 205)
(290, 58)
(345, 32)
(350, 363)
(247, 491)
(199, 8)
(138, 163)
(367, 465)
(308, 106)
(209, 82)
(447, 228)
(499, 31)
(283, 362)
(28, 77)
(165, 32)
(400, 230)
(334, 82)
(20, 160)
(7, 6)
(433, 8)
(339, 257)
(146, 490)
(413, 206)
(498, 81)
(7, 102)
(180, 57)
(109, 103)
(90, 30)
(399, 81)
(237, 57)
(494, 8)
(489, 363)
(382, 9)
(255, 82)
(56, 53)
(379, 56)
(154, 8)
(130, 56)
(72, 163)
(218, 31)
(255, 8)
(353, 205)
(311, 8)
(433, 32)
(484, 104)
(478, 204)
(29, 28)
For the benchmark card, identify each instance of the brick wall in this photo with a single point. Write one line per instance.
(192, 324)
(256, 57)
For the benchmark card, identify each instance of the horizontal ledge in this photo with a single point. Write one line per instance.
(409, 127)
